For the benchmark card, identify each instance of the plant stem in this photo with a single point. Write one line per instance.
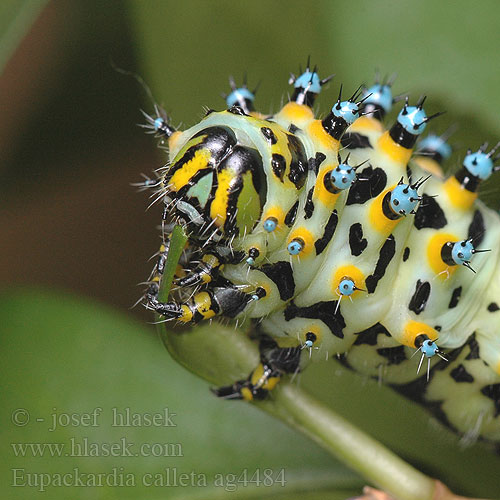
(348, 443)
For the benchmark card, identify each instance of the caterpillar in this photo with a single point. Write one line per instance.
(337, 236)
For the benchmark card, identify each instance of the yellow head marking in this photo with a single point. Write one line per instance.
(396, 152)
(459, 196)
(413, 329)
(218, 208)
(434, 254)
(182, 176)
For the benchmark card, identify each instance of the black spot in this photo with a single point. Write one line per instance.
(356, 240)
(474, 347)
(493, 307)
(394, 355)
(438, 328)
(477, 228)
(420, 297)
(292, 213)
(460, 374)
(455, 297)
(324, 311)
(385, 256)
(492, 391)
(309, 206)
(314, 163)
(406, 254)
(269, 135)
(369, 336)
(293, 128)
(355, 141)
(330, 227)
(278, 165)
(281, 273)
(369, 184)
(298, 164)
(429, 214)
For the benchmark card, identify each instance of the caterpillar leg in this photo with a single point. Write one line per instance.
(208, 269)
(274, 363)
(218, 301)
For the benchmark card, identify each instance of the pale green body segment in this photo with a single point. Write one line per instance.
(403, 288)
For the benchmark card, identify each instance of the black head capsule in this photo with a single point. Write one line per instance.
(343, 114)
(240, 96)
(307, 86)
(411, 122)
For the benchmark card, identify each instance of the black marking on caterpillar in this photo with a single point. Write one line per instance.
(386, 254)
(330, 227)
(356, 240)
(324, 311)
(353, 140)
(394, 355)
(455, 297)
(370, 184)
(460, 374)
(370, 335)
(309, 206)
(420, 297)
(429, 214)
(282, 275)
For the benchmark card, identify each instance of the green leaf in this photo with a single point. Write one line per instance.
(65, 356)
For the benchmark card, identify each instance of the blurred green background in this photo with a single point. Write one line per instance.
(76, 238)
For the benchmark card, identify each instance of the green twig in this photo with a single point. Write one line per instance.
(352, 446)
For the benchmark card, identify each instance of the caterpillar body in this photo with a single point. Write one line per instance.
(339, 237)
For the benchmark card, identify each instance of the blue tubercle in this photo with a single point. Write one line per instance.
(435, 143)
(347, 110)
(347, 287)
(404, 199)
(429, 348)
(343, 176)
(381, 95)
(270, 224)
(479, 164)
(413, 119)
(158, 123)
(295, 247)
(238, 95)
(462, 252)
(308, 80)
